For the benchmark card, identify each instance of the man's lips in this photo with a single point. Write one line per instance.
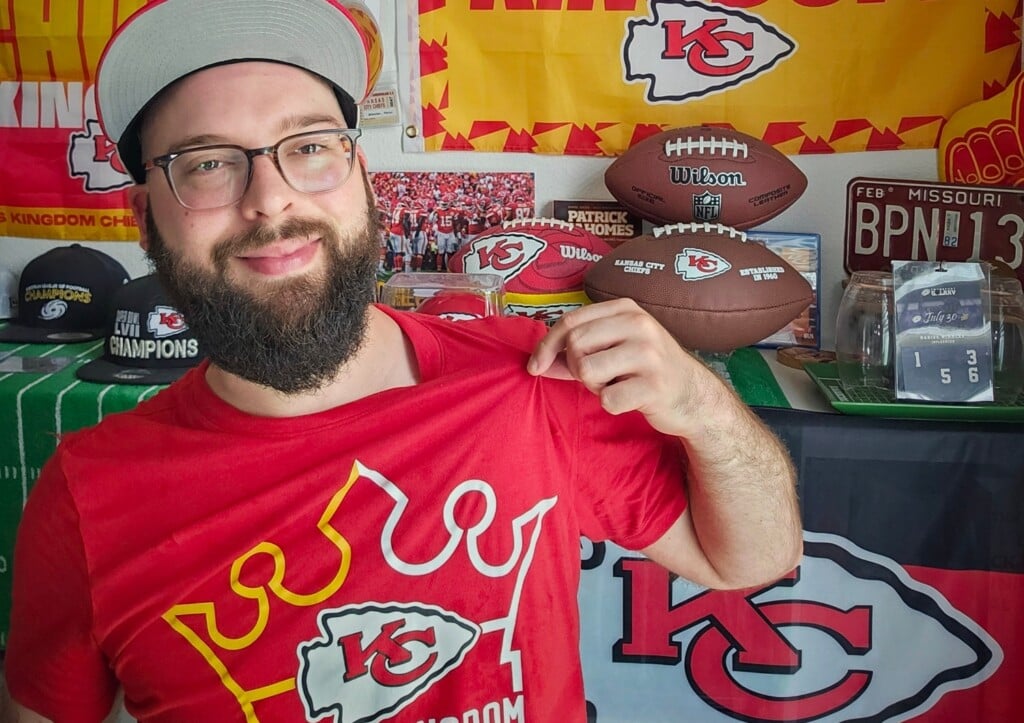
(280, 258)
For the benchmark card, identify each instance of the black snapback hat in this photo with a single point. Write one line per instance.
(148, 340)
(64, 295)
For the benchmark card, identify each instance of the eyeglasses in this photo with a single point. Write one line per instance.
(216, 176)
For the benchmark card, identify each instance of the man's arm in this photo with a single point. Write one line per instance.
(742, 523)
(743, 516)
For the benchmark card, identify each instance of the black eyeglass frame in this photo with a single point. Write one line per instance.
(164, 162)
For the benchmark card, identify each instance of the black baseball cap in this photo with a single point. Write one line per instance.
(64, 295)
(148, 340)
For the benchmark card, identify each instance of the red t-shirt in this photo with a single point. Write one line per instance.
(409, 556)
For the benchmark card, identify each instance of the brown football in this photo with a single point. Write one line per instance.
(709, 286)
(702, 174)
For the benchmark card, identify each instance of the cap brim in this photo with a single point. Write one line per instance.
(167, 40)
(37, 335)
(105, 372)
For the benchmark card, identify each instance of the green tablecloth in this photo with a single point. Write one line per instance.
(751, 377)
(35, 409)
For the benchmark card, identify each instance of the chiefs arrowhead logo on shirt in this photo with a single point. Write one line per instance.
(369, 676)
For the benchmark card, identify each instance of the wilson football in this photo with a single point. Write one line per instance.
(709, 286)
(701, 174)
(542, 262)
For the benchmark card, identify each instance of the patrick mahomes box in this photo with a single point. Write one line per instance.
(64, 295)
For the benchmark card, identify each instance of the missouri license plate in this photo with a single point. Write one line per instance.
(890, 220)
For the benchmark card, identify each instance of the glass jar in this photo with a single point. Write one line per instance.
(1006, 314)
(866, 333)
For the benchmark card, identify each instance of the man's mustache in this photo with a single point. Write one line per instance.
(261, 236)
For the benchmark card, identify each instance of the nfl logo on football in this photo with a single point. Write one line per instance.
(707, 206)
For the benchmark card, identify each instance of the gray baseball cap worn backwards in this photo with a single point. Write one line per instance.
(169, 39)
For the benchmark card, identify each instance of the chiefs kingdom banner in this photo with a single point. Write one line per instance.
(60, 177)
(591, 77)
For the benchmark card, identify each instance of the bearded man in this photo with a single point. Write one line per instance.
(260, 541)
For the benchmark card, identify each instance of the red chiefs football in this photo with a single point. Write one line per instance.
(701, 174)
(542, 262)
(710, 287)
(533, 256)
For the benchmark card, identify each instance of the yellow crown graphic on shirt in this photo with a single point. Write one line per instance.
(442, 637)
(208, 639)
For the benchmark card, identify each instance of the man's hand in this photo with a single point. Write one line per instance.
(619, 352)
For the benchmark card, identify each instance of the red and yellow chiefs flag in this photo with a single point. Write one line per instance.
(60, 176)
(591, 77)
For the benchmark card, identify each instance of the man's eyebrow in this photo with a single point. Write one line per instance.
(292, 124)
(295, 124)
(200, 140)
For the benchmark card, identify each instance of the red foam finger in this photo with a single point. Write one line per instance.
(1007, 140)
(986, 155)
(960, 164)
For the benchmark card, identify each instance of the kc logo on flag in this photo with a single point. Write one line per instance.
(841, 638)
(689, 49)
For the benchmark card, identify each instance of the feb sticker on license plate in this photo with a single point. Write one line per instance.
(894, 220)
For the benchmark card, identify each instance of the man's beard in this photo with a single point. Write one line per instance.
(292, 335)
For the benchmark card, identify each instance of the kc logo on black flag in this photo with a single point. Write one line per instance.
(849, 635)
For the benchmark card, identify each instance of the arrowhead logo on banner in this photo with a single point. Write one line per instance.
(688, 50)
(93, 156)
(848, 635)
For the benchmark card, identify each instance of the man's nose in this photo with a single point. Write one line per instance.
(268, 194)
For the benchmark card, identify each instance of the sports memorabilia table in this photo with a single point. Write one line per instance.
(906, 606)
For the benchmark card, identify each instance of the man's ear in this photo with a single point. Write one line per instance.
(365, 170)
(138, 198)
